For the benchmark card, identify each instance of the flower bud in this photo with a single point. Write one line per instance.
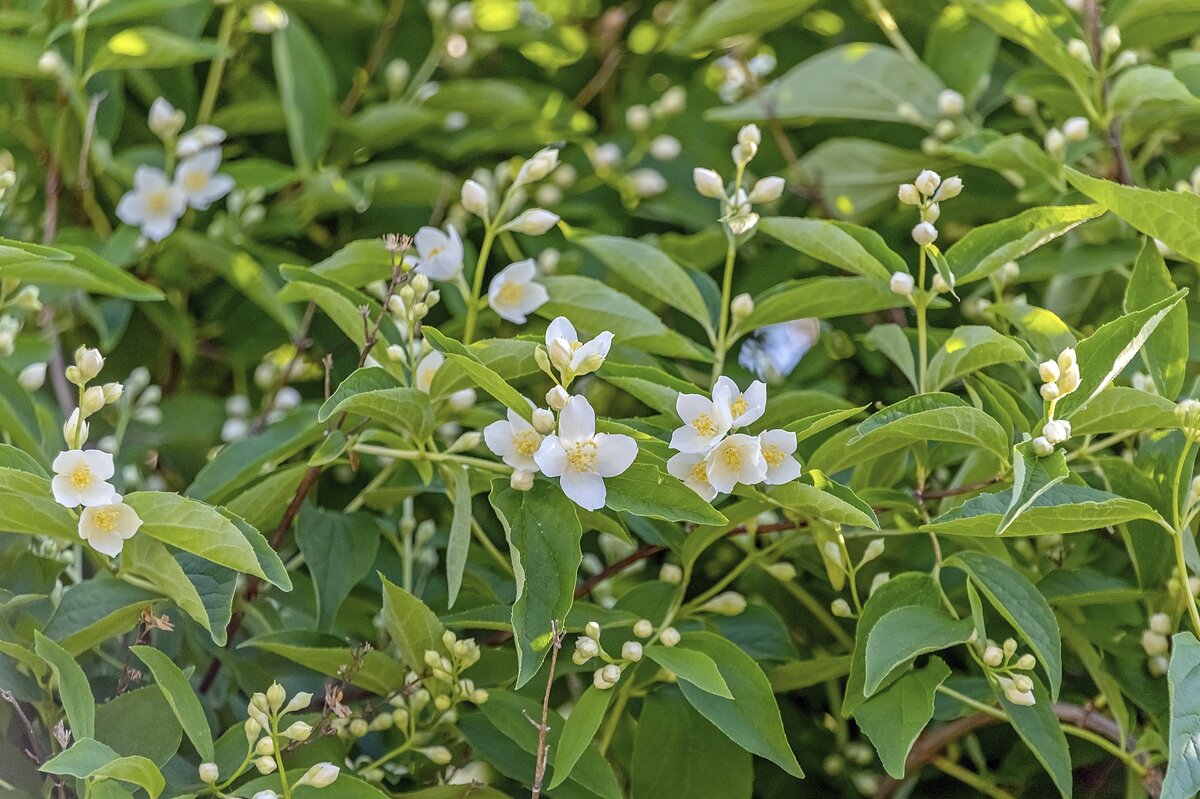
(320, 775)
(601, 681)
(1049, 392)
(537, 167)
(874, 550)
(940, 285)
(51, 63)
(1158, 665)
(1155, 643)
(902, 283)
(27, 298)
(931, 212)
(1110, 42)
(264, 747)
(1055, 142)
(557, 398)
(727, 603)
(253, 728)
(89, 362)
(927, 182)
(1161, 624)
(750, 134)
(637, 118)
(1078, 49)
(647, 182)
(165, 121)
(400, 718)
(209, 772)
(93, 400)
(669, 637)
(298, 731)
(743, 154)
(265, 765)
(1069, 380)
(1042, 447)
(474, 198)
(32, 377)
(631, 650)
(358, 728)
(543, 421)
(878, 580)
(112, 392)
(521, 480)
(1075, 129)
(592, 629)
(381, 722)
(441, 702)
(948, 189)
(1056, 431)
(950, 103)
(993, 655)
(709, 183)
(75, 430)
(665, 148)
(644, 628)
(742, 307)
(767, 190)
(276, 696)
(437, 755)
(1022, 683)
(587, 647)
(1026, 662)
(924, 234)
(909, 113)
(841, 609)
(782, 571)
(1048, 371)
(909, 194)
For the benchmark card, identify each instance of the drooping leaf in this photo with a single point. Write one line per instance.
(894, 717)
(903, 634)
(180, 696)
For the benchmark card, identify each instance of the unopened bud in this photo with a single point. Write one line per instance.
(265, 765)
(533, 222)
(993, 655)
(950, 103)
(632, 651)
(209, 772)
(948, 189)
(841, 609)
(742, 307)
(521, 480)
(474, 198)
(924, 234)
(557, 398)
(927, 182)
(902, 283)
(727, 603)
(909, 194)
(767, 190)
(1075, 129)
(669, 637)
(644, 628)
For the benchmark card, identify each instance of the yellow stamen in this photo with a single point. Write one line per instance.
(195, 181)
(526, 443)
(106, 519)
(739, 406)
(511, 293)
(700, 472)
(582, 456)
(81, 478)
(772, 455)
(704, 425)
(157, 202)
(733, 458)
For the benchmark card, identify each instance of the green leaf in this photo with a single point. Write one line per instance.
(93, 611)
(824, 499)
(151, 48)
(693, 666)
(200, 588)
(1021, 604)
(1183, 685)
(1103, 355)
(239, 463)
(894, 717)
(1060, 510)
(306, 89)
(380, 674)
(339, 550)
(1166, 351)
(651, 270)
(701, 764)
(904, 590)
(182, 699)
(74, 267)
(73, 687)
(414, 628)
(482, 375)
(578, 732)
(140, 722)
(988, 247)
(543, 536)
(858, 177)
(799, 674)
(853, 81)
(906, 632)
(1032, 477)
(961, 50)
(969, 349)
(823, 298)
(460, 533)
(892, 341)
(198, 528)
(372, 392)
(1039, 729)
(344, 307)
(648, 491)
(728, 18)
(1018, 22)
(1164, 215)
(1015, 156)
(751, 719)
(18, 418)
(80, 760)
(1119, 408)
(839, 244)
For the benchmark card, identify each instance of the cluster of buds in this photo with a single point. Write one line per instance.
(448, 671)
(480, 195)
(834, 556)
(646, 123)
(1156, 643)
(588, 646)
(1055, 140)
(1187, 413)
(265, 738)
(737, 207)
(1059, 377)
(8, 175)
(412, 302)
(927, 193)
(1002, 663)
(1175, 586)
(735, 74)
(88, 363)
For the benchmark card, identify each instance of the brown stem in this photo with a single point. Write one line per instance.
(543, 750)
(1093, 18)
(34, 751)
(378, 50)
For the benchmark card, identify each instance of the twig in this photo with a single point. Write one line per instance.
(543, 750)
(89, 130)
(610, 25)
(378, 50)
(34, 751)
(1093, 17)
(921, 496)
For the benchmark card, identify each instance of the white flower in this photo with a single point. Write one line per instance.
(705, 421)
(924, 233)
(514, 441)
(1018, 690)
(154, 203)
(165, 121)
(767, 190)
(441, 252)
(665, 147)
(778, 448)
(79, 478)
(737, 459)
(32, 377)
(198, 139)
(533, 222)
(474, 198)
(513, 293)
(709, 183)
(581, 457)
(776, 349)
(744, 408)
(197, 178)
(107, 527)
(320, 775)
(427, 368)
(690, 469)
(569, 354)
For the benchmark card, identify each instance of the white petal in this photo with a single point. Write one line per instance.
(577, 420)
(429, 239)
(521, 271)
(614, 453)
(100, 463)
(551, 457)
(207, 162)
(535, 297)
(106, 543)
(787, 471)
(131, 209)
(157, 228)
(689, 406)
(562, 328)
(585, 489)
(756, 398)
(499, 438)
(64, 492)
(686, 439)
(784, 440)
(96, 494)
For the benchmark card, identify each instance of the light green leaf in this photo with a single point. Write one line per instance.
(894, 717)
(380, 674)
(651, 270)
(1119, 408)
(151, 48)
(200, 588)
(1016, 599)
(892, 341)
(577, 733)
(339, 550)
(81, 759)
(73, 688)
(841, 244)
(648, 491)
(690, 665)
(460, 532)
(799, 674)
(1164, 215)
(1032, 477)
(906, 632)
(751, 719)
(969, 349)
(853, 81)
(482, 375)
(858, 177)
(815, 494)
(1060, 510)
(93, 611)
(988, 247)
(18, 418)
(1018, 22)
(182, 699)
(1183, 685)
(728, 18)
(412, 625)
(822, 297)
(1166, 351)
(306, 89)
(374, 393)
(71, 266)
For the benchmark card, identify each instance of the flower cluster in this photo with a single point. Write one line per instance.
(1002, 665)
(81, 476)
(927, 193)
(569, 449)
(737, 207)
(839, 563)
(157, 201)
(481, 196)
(712, 457)
(588, 646)
(1156, 643)
(1059, 377)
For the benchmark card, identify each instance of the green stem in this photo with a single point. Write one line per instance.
(283, 780)
(721, 345)
(212, 84)
(379, 761)
(968, 777)
(482, 537)
(374, 483)
(887, 23)
(818, 610)
(922, 326)
(1181, 566)
(436, 457)
(614, 716)
(489, 236)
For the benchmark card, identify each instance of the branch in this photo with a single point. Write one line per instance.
(543, 750)
(378, 50)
